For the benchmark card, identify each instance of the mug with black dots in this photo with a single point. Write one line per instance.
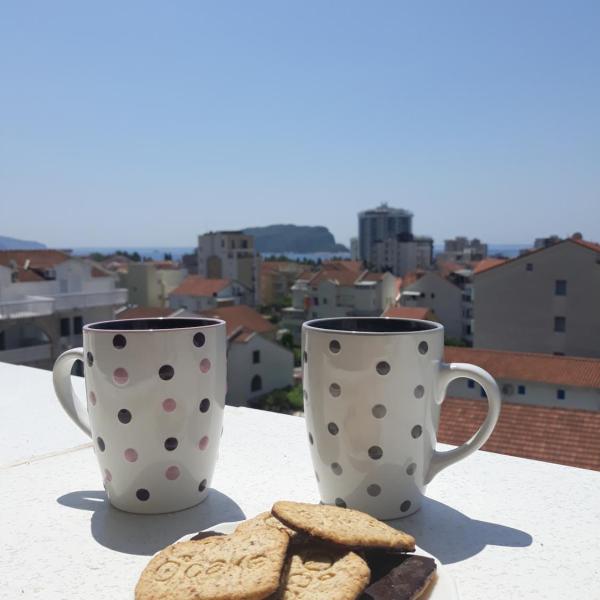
(373, 390)
(154, 408)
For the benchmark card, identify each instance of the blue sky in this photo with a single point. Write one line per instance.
(146, 123)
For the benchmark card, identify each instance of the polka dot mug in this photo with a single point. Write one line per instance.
(155, 401)
(373, 389)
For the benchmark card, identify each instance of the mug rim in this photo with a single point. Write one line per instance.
(432, 326)
(203, 323)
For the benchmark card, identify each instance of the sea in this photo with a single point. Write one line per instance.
(158, 252)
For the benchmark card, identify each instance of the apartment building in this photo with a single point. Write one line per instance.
(150, 283)
(463, 250)
(230, 255)
(277, 279)
(46, 297)
(354, 252)
(543, 301)
(256, 363)
(530, 378)
(197, 293)
(401, 254)
(379, 224)
(338, 289)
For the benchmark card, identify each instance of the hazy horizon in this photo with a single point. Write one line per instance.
(147, 123)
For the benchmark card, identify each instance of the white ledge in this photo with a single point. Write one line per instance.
(504, 527)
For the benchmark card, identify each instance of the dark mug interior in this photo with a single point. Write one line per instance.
(373, 325)
(151, 324)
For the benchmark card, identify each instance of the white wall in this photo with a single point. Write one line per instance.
(276, 368)
(536, 393)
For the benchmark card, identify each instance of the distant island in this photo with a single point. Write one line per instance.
(8, 243)
(301, 239)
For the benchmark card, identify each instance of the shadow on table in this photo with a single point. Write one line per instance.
(452, 536)
(147, 534)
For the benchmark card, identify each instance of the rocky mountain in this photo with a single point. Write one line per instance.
(8, 243)
(301, 239)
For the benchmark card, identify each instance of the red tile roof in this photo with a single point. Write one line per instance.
(591, 245)
(337, 276)
(38, 259)
(240, 316)
(145, 312)
(370, 276)
(348, 265)
(194, 285)
(528, 366)
(558, 435)
(409, 312)
(99, 272)
(487, 263)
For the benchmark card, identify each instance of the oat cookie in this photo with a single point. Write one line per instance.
(341, 526)
(243, 566)
(318, 571)
(265, 519)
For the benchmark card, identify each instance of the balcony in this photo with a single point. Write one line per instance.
(27, 307)
(90, 299)
(40, 306)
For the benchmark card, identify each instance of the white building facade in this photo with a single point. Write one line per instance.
(46, 297)
(255, 367)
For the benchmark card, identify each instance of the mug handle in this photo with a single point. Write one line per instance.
(61, 376)
(449, 372)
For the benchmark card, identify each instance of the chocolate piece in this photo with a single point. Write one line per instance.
(204, 534)
(395, 577)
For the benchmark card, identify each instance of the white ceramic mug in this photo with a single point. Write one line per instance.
(373, 389)
(155, 401)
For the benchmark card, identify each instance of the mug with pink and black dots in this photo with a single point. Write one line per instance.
(154, 409)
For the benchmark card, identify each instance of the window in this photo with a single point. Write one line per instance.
(244, 243)
(222, 243)
(521, 390)
(256, 384)
(315, 301)
(560, 394)
(470, 383)
(324, 300)
(529, 267)
(560, 324)
(256, 357)
(432, 294)
(77, 325)
(560, 287)
(65, 327)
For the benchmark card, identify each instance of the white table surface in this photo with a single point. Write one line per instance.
(503, 527)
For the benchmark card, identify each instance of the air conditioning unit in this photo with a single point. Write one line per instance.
(508, 389)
